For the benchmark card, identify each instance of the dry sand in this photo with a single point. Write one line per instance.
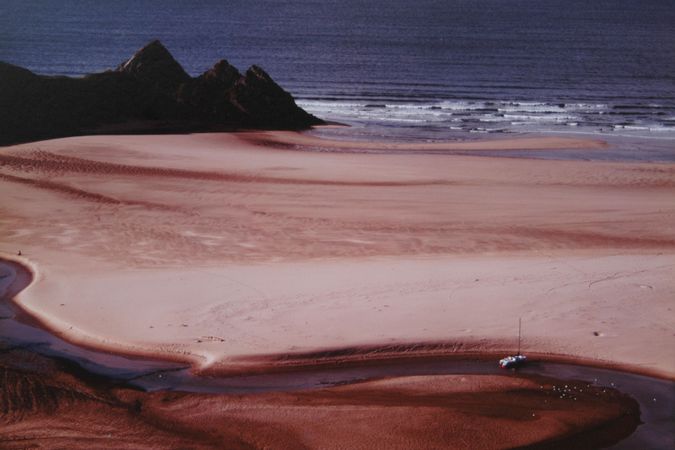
(223, 248)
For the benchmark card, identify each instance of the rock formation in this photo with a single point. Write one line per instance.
(149, 93)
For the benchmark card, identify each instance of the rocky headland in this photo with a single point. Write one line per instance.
(149, 93)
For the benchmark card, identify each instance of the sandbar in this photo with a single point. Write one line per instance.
(231, 249)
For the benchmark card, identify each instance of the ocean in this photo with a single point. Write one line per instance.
(416, 70)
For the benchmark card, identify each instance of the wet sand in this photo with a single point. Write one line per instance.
(290, 139)
(49, 403)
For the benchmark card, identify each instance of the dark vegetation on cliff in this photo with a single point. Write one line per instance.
(149, 93)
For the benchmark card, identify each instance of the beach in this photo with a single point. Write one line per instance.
(331, 225)
(279, 252)
(220, 250)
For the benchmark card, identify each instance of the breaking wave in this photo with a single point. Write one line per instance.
(497, 116)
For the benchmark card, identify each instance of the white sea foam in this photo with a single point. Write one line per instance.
(542, 118)
(489, 116)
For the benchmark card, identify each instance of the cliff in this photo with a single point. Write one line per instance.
(149, 93)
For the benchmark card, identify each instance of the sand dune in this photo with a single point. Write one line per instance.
(224, 247)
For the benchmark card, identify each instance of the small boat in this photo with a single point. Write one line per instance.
(511, 362)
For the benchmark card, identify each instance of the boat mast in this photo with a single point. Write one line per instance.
(519, 319)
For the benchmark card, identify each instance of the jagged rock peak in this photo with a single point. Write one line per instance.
(257, 72)
(154, 63)
(224, 72)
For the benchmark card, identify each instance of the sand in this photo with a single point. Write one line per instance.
(46, 404)
(499, 144)
(227, 249)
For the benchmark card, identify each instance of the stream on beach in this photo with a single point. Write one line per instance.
(656, 397)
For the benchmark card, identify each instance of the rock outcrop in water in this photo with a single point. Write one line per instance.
(149, 93)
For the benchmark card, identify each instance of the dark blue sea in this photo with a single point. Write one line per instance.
(425, 69)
